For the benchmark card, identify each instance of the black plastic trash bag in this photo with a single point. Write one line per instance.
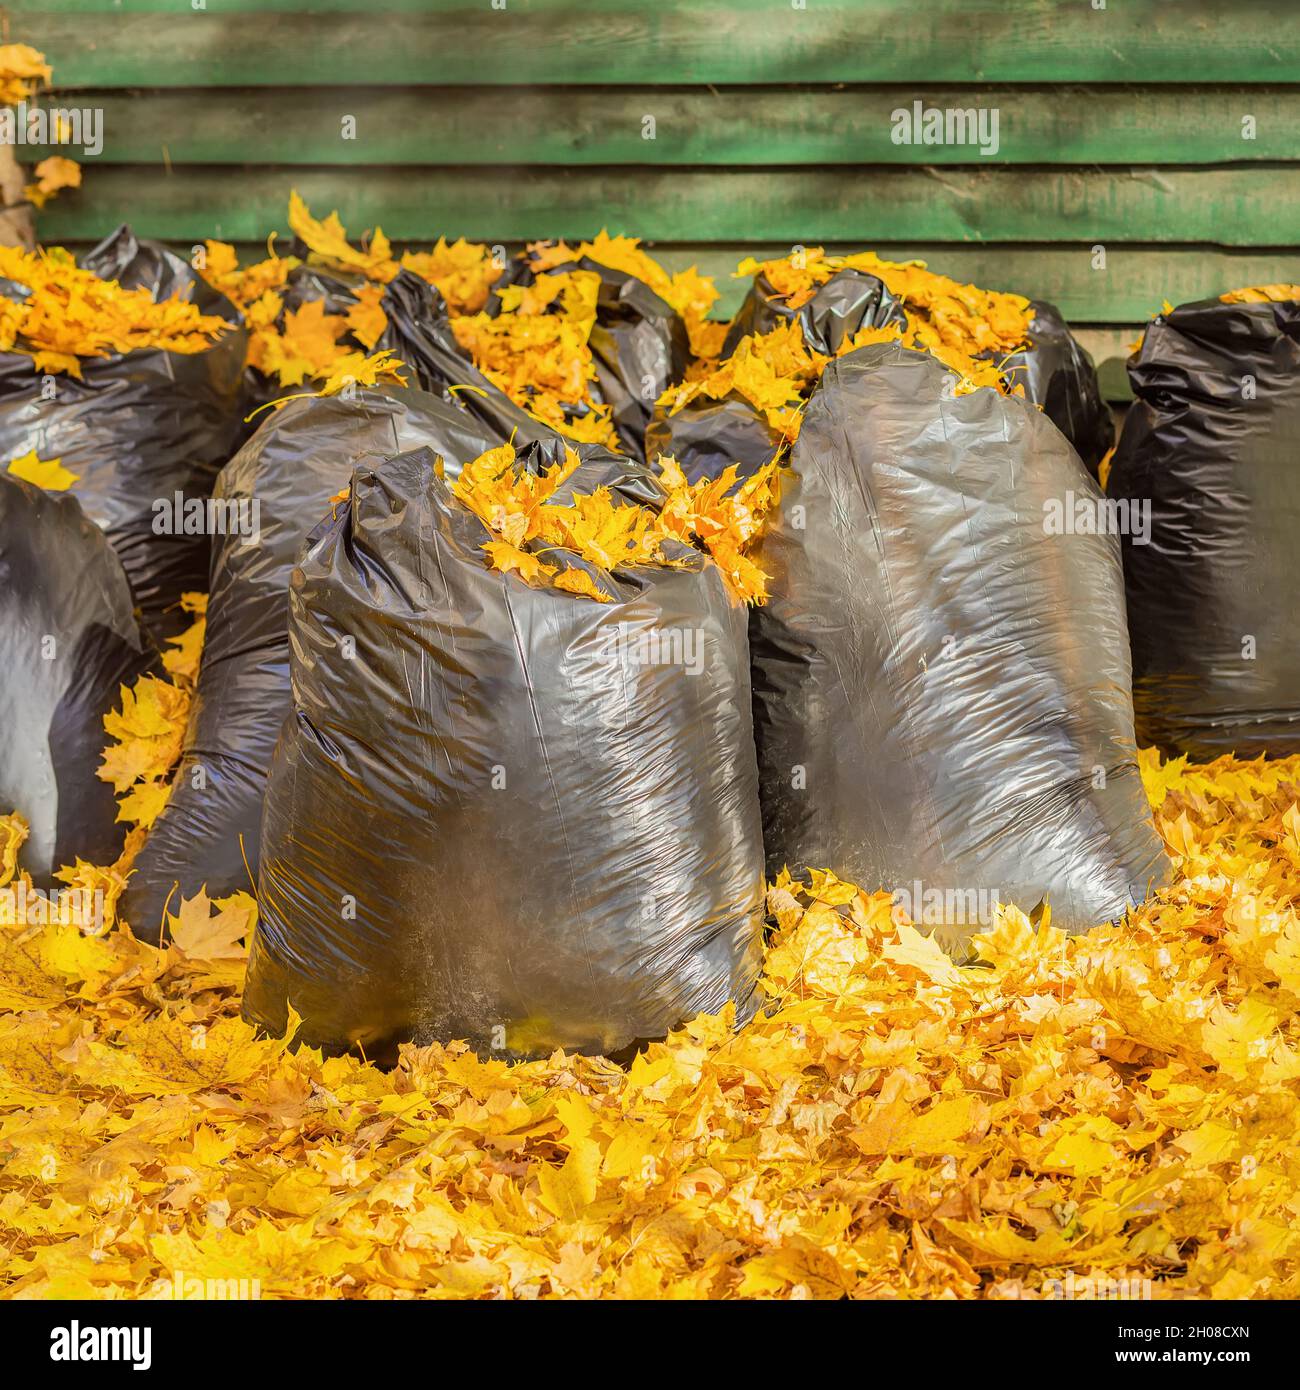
(278, 487)
(68, 641)
(941, 686)
(139, 430)
(1210, 445)
(1055, 371)
(419, 333)
(500, 813)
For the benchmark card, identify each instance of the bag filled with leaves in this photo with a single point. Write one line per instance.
(119, 380)
(644, 322)
(516, 802)
(1209, 447)
(277, 489)
(807, 309)
(941, 683)
(68, 641)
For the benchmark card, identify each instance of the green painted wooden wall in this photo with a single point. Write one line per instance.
(1122, 124)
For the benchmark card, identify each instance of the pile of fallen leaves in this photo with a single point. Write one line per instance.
(690, 294)
(69, 313)
(1114, 1111)
(518, 508)
(968, 329)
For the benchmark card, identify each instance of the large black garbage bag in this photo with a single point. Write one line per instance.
(282, 481)
(68, 641)
(1210, 445)
(941, 686)
(640, 344)
(513, 815)
(138, 429)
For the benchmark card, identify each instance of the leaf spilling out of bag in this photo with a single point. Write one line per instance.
(537, 350)
(462, 271)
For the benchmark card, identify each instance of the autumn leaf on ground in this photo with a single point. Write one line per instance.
(207, 930)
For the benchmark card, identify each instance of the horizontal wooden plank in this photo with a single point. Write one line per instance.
(1234, 207)
(737, 126)
(1119, 298)
(468, 42)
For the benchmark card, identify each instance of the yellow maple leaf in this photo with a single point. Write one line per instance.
(49, 474)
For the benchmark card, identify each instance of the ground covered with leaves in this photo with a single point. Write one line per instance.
(1120, 1106)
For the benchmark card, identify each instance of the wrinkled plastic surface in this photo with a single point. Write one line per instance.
(546, 840)
(137, 428)
(1058, 374)
(939, 684)
(68, 640)
(303, 455)
(1054, 370)
(419, 332)
(1210, 442)
(848, 302)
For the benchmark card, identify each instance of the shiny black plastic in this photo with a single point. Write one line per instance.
(137, 429)
(941, 686)
(502, 813)
(283, 478)
(1210, 444)
(68, 641)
